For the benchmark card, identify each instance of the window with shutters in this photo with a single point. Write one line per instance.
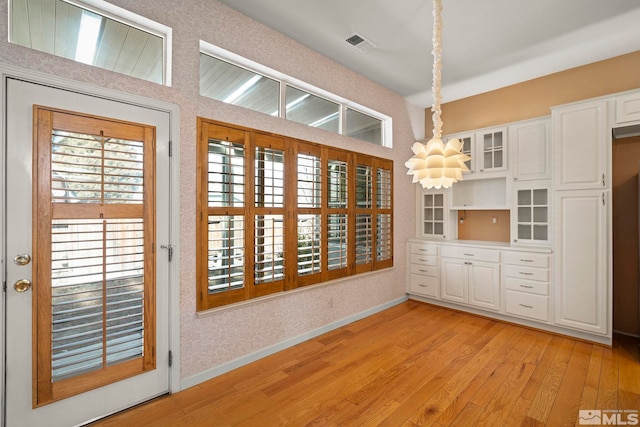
(94, 261)
(311, 213)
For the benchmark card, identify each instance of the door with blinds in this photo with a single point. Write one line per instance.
(87, 298)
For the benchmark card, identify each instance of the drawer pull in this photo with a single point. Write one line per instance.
(423, 250)
(422, 259)
(423, 271)
(469, 254)
(423, 286)
(526, 286)
(525, 306)
(526, 274)
(526, 260)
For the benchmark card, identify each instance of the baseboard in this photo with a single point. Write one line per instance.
(252, 357)
(615, 331)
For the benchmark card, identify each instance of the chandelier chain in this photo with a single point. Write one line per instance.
(437, 68)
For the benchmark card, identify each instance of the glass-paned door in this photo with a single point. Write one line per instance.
(87, 306)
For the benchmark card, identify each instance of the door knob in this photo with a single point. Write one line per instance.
(22, 285)
(22, 259)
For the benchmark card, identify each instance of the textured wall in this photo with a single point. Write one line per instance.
(224, 335)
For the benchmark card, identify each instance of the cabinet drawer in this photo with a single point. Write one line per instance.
(526, 258)
(471, 253)
(527, 305)
(423, 285)
(516, 284)
(424, 259)
(425, 270)
(528, 273)
(424, 249)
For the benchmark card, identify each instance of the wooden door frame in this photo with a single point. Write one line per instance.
(23, 74)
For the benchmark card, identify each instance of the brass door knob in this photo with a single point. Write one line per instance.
(22, 285)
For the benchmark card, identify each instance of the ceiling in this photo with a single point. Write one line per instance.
(487, 44)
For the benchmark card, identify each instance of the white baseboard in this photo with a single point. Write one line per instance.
(252, 357)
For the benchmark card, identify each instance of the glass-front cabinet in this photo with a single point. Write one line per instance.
(492, 151)
(531, 219)
(487, 149)
(433, 214)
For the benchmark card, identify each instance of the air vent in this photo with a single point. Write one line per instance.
(357, 41)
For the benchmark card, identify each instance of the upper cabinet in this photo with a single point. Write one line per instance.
(628, 108)
(487, 149)
(491, 150)
(580, 136)
(530, 150)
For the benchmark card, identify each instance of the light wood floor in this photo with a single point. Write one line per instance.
(414, 364)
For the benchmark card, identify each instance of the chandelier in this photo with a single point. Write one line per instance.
(435, 164)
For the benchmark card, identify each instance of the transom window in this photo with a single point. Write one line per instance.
(310, 214)
(232, 79)
(94, 32)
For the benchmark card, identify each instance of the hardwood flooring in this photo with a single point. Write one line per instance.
(413, 364)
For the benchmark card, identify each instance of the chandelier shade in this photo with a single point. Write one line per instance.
(434, 163)
(437, 165)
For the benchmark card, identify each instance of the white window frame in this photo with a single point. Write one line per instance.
(108, 10)
(285, 80)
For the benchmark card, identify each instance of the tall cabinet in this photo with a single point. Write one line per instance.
(581, 199)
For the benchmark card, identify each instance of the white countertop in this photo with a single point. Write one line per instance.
(484, 244)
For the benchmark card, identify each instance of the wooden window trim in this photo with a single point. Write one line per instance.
(44, 211)
(250, 139)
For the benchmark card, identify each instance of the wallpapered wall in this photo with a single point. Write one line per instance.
(216, 338)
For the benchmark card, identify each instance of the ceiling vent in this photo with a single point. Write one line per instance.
(359, 42)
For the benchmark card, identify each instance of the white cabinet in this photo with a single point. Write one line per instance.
(628, 108)
(530, 150)
(422, 267)
(468, 148)
(433, 213)
(491, 150)
(527, 285)
(580, 137)
(488, 193)
(531, 213)
(581, 298)
(470, 276)
(487, 149)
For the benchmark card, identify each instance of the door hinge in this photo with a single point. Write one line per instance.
(170, 358)
(602, 199)
(170, 148)
(170, 249)
(604, 183)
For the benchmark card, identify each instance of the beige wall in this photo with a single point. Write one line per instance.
(534, 97)
(209, 341)
(479, 225)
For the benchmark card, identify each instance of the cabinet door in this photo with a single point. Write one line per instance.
(580, 139)
(468, 145)
(530, 150)
(453, 277)
(530, 218)
(491, 150)
(484, 284)
(433, 213)
(581, 279)
(628, 108)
